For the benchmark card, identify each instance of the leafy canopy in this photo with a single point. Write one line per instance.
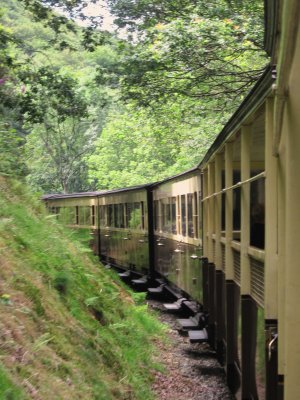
(127, 111)
(51, 108)
(137, 146)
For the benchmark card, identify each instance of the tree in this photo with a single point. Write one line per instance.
(195, 49)
(139, 15)
(61, 17)
(11, 133)
(188, 66)
(63, 129)
(138, 147)
(50, 102)
(55, 155)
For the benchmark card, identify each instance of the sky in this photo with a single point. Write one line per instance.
(99, 8)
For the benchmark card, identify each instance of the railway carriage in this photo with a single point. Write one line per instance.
(235, 194)
(283, 211)
(124, 229)
(251, 223)
(118, 221)
(77, 211)
(177, 231)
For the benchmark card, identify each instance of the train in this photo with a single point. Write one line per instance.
(225, 233)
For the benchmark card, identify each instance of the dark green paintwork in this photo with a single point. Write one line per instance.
(125, 249)
(178, 267)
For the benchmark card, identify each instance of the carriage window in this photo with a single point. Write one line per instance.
(168, 219)
(84, 215)
(196, 218)
(156, 217)
(163, 214)
(61, 215)
(54, 210)
(110, 213)
(160, 215)
(178, 214)
(190, 215)
(77, 215)
(88, 215)
(257, 213)
(93, 216)
(200, 214)
(58, 211)
(64, 215)
(143, 215)
(116, 215)
(71, 216)
(166, 215)
(121, 216)
(236, 206)
(237, 210)
(183, 215)
(102, 216)
(133, 215)
(81, 215)
(128, 207)
(223, 206)
(173, 214)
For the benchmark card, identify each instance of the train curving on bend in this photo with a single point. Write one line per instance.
(226, 233)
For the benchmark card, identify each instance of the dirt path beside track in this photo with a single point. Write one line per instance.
(192, 370)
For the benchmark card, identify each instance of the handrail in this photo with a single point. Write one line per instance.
(239, 184)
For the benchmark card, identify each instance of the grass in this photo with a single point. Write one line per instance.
(81, 235)
(70, 329)
(8, 390)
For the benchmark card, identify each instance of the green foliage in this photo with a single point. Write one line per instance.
(32, 293)
(11, 151)
(189, 66)
(138, 147)
(61, 282)
(8, 391)
(261, 346)
(11, 135)
(216, 57)
(83, 236)
(140, 15)
(51, 97)
(55, 108)
(139, 297)
(62, 22)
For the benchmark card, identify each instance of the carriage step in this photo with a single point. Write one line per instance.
(196, 322)
(158, 293)
(140, 281)
(140, 284)
(156, 290)
(125, 275)
(191, 307)
(198, 336)
(176, 306)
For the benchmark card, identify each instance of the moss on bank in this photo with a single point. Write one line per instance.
(69, 329)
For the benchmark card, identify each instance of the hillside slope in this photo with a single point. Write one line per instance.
(68, 330)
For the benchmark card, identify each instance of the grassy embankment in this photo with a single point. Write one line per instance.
(68, 328)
